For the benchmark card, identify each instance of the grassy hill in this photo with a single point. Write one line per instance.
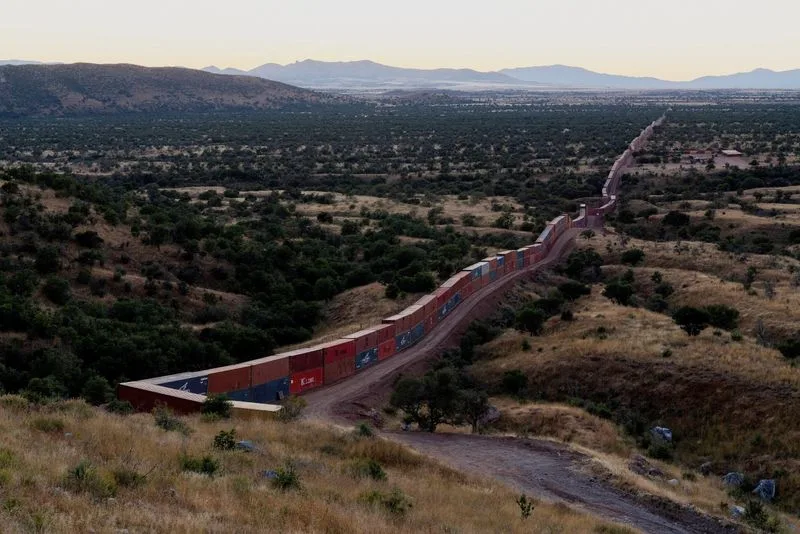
(94, 470)
(84, 88)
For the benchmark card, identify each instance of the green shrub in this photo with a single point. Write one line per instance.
(364, 430)
(126, 477)
(633, 256)
(286, 477)
(57, 290)
(225, 440)
(525, 506)
(756, 515)
(659, 451)
(49, 425)
(120, 407)
(367, 468)
(396, 502)
(96, 390)
(722, 316)
(166, 420)
(514, 381)
(218, 405)
(205, 465)
(736, 335)
(84, 478)
(291, 409)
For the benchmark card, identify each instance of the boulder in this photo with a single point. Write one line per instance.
(737, 512)
(663, 433)
(766, 489)
(245, 445)
(673, 482)
(733, 479)
(269, 475)
(641, 466)
(705, 468)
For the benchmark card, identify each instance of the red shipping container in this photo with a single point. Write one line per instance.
(385, 332)
(268, 369)
(486, 279)
(475, 286)
(492, 261)
(305, 380)
(430, 322)
(365, 339)
(339, 369)
(341, 349)
(230, 378)
(387, 349)
(428, 304)
(305, 359)
(442, 295)
(399, 321)
(144, 397)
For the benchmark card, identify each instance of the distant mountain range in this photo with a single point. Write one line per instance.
(368, 74)
(83, 88)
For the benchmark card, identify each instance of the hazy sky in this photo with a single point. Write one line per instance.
(675, 39)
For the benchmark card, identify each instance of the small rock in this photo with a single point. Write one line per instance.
(733, 479)
(245, 445)
(269, 475)
(67, 434)
(111, 500)
(705, 468)
(766, 489)
(673, 482)
(663, 433)
(737, 512)
(406, 427)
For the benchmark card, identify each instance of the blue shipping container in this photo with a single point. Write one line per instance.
(493, 276)
(272, 392)
(366, 358)
(408, 338)
(243, 395)
(520, 259)
(197, 384)
(501, 260)
(449, 306)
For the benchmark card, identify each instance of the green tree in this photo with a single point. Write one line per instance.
(633, 256)
(474, 405)
(531, 320)
(97, 390)
(57, 290)
(619, 292)
(47, 260)
(691, 320)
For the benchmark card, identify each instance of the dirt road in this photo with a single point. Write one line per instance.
(552, 472)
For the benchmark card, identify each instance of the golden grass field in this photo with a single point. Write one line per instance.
(734, 404)
(40, 446)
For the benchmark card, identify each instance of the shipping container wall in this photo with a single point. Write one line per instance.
(272, 392)
(196, 384)
(305, 359)
(409, 337)
(342, 349)
(145, 401)
(269, 369)
(305, 380)
(336, 370)
(365, 339)
(366, 358)
(231, 378)
(386, 349)
(449, 306)
(243, 395)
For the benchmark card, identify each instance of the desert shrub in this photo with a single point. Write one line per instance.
(287, 478)
(367, 468)
(675, 218)
(291, 409)
(618, 292)
(722, 316)
(573, 290)
(49, 425)
(126, 477)
(790, 348)
(633, 256)
(84, 478)
(363, 430)
(395, 502)
(514, 382)
(691, 320)
(659, 451)
(225, 440)
(217, 405)
(97, 390)
(120, 407)
(525, 506)
(166, 420)
(205, 465)
(531, 320)
(756, 515)
(664, 289)
(57, 290)
(736, 335)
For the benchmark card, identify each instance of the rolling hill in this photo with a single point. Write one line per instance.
(89, 88)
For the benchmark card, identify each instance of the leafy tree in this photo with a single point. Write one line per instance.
(531, 320)
(57, 290)
(97, 390)
(572, 290)
(217, 405)
(632, 256)
(514, 381)
(691, 320)
(619, 292)
(676, 218)
(474, 405)
(722, 316)
(47, 260)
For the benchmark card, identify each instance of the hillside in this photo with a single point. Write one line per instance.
(96, 471)
(84, 88)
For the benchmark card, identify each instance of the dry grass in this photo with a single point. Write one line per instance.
(37, 498)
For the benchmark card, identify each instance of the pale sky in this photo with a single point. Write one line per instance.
(673, 39)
